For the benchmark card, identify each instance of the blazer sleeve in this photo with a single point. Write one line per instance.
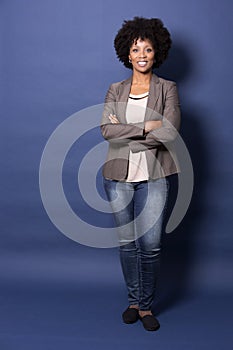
(118, 133)
(170, 124)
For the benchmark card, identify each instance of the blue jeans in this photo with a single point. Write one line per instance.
(138, 209)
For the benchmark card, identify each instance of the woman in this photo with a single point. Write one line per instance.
(141, 114)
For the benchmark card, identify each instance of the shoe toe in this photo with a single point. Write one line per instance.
(150, 323)
(130, 315)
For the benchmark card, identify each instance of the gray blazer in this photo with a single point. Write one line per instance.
(163, 104)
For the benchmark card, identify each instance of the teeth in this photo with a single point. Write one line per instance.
(142, 63)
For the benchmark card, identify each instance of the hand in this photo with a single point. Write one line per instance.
(152, 125)
(113, 119)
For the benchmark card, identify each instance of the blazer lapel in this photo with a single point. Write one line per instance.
(124, 91)
(154, 93)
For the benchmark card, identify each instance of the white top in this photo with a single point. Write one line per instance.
(135, 113)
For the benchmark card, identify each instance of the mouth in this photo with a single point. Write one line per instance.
(142, 63)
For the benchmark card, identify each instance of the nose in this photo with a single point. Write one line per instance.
(142, 54)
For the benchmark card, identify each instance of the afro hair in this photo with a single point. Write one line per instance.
(143, 28)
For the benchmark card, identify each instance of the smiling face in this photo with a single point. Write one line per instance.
(142, 55)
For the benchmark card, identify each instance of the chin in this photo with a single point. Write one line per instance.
(144, 71)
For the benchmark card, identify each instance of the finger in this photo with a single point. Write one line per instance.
(115, 118)
(112, 120)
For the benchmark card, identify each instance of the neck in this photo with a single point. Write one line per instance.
(141, 78)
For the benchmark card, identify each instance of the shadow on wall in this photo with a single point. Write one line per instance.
(178, 66)
(180, 247)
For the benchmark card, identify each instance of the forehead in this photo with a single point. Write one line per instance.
(142, 42)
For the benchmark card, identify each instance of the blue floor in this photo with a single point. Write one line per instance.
(89, 317)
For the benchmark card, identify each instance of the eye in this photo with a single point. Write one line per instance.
(149, 50)
(134, 50)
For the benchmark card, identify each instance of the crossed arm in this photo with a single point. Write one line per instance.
(149, 125)
(145, 135)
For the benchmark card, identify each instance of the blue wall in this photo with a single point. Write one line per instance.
(57, 57)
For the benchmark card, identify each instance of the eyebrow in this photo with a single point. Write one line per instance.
(134, 45)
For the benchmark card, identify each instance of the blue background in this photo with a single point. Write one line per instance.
(57, 57)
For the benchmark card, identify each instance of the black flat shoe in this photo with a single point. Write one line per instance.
(150, 323)
(130, 315)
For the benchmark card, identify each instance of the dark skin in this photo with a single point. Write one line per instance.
(142, 56)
